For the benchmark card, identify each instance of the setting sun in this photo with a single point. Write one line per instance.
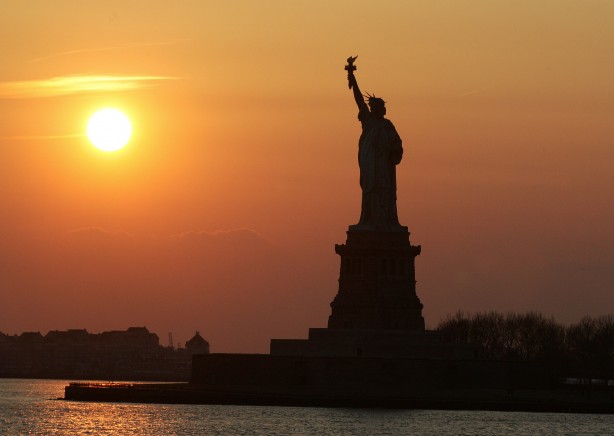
(109, 129)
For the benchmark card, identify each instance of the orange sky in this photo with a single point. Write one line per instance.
(222, 213)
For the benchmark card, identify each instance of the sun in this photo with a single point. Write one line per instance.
(109, 129)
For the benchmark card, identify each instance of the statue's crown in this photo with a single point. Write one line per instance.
(373, 100)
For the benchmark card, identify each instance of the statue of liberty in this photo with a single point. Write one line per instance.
(379, 151)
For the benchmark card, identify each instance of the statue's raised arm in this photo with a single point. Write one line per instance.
(353, 84)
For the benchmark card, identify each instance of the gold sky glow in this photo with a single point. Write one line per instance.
(248, 134)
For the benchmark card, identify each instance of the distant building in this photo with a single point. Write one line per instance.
(31, 337)
(133, 354)
(197, 345)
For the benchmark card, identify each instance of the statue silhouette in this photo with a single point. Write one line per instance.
(379, 151)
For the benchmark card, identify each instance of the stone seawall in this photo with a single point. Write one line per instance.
(399, 376)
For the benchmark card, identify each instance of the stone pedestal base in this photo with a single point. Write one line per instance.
(377, 284)
(371, 343)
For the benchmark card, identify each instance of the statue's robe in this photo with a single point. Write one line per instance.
(379, 151)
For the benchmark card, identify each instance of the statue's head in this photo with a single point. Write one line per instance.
(376, 105)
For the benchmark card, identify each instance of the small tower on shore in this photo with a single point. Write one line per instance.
(197, 345)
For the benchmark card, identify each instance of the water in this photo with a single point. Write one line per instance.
(31, 407)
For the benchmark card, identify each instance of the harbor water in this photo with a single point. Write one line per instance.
(34, 407)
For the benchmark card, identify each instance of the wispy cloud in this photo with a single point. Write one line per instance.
(76, 85)
(99, 234)
(35, 137)
(113, 48)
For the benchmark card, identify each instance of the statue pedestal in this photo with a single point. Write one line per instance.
(376, 312)
(377, 283)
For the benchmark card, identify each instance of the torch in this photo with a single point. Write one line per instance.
(350, 68)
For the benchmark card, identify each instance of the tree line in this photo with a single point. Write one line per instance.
(584, 349)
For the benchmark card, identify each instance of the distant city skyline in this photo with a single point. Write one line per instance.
(134, 353)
